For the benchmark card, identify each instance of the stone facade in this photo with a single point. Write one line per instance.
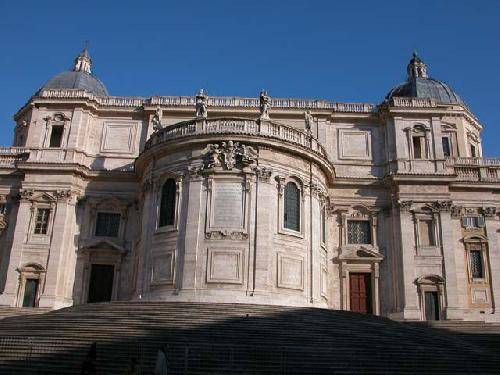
(396, 208)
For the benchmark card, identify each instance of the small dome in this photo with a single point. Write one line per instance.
(419, 85)
(79, 78)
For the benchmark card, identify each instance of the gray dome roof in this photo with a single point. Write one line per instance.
(425, 88)
(420, 85)
(77, 80)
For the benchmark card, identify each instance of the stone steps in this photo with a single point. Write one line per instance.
(238, 339)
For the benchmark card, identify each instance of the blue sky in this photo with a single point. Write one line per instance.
(351, 51)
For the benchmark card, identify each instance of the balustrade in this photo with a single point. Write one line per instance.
(237, 126)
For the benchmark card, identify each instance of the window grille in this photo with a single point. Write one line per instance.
(42, 220)
(358, 232)
(476, 264)
(107, 224)
(167, 204)
(292, 207)
(473, 222)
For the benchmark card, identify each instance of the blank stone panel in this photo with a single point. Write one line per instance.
(355, 144)
(228, 205)
(479, 296)
(290, 272)
(163, 268)
(119, 137)
(225, 266)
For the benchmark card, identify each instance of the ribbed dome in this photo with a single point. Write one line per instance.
(79, 78)
(419, 85)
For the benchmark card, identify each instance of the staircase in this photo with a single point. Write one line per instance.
(6, 311)
(235, 339)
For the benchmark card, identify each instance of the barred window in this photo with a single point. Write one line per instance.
(167, 204)
(42, 220)
(473, 221)
(292, 207)
(359, 232)
(476, 264)
(107, 224)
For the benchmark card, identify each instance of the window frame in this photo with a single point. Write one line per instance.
(369, 227)
(45, 223)
(57, 119)
(118, 230)
(282, 182)
(287, 223)
(160, 182)
(170, 216)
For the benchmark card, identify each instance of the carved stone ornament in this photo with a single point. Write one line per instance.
(263, 173)
(281, 184)
(147, 185)
(457, 211)
(225, 235)
(265, 105)
(228, 155)
(201, 104)
(444, 206)
(317, 190)
(156, 120)
(26, 194)
(489, 211)
(64, 195)
(405, 205)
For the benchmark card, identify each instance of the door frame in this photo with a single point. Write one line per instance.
(370, 300)
(431, 283)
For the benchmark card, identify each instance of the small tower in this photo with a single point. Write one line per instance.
(416, 68)
(83, 62)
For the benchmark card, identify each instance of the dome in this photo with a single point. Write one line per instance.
(419, 85)
(79, 78)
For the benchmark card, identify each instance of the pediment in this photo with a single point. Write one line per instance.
(360, 254)
(102, 244)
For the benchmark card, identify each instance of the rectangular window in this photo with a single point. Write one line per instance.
(473, 221)
(56, 136)
(42, 220)
(107, 224)
(323, 225)
(446, 147)
(417, 148)
(476, 264)
(359, 232)
(426, 232)
(473, 151)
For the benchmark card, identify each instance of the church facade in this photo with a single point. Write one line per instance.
(387, 209)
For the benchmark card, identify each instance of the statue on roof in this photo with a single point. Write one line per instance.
(265, 105)
(308, 121)
(201, 104)
(156, 120)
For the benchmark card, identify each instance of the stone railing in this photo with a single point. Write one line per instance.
(413, 102)
(113, 101)
(9, 156)
(212, 101)
(237, 126)
(476, 169)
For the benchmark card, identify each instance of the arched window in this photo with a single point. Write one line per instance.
(167, 205)
(292, 207)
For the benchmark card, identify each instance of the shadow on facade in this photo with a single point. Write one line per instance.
(295, 341)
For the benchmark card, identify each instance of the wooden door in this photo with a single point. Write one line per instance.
(431, 306)
(101, 283)
(30, 292)
(360, 292)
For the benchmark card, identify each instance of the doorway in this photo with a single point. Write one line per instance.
(360, 292)
(431, 306)
(30, 292)
(101, 283)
